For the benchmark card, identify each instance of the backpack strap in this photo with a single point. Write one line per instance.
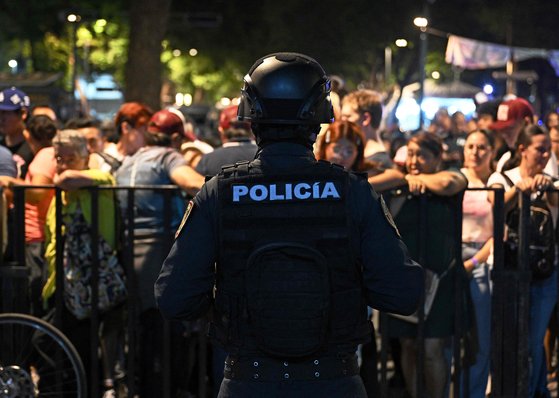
(111, 160)
(507, 178)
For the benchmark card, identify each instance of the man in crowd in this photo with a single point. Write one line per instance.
(44, 110)
(364, 108)
(512, 116)
(172, 122)
(486, 113)
(237, 143)
(91, 130)
(14, 108)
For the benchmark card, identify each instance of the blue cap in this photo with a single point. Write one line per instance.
(12, 99)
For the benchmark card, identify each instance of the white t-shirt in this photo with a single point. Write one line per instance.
(498, 178)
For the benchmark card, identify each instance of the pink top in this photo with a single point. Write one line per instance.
(42, 164)
(477, 223)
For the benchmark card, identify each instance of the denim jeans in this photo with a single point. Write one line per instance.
(480, 292)
(543, 296)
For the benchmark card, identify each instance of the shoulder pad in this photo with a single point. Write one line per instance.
(325, 163)
(239, 168)
(227, 170)
(227, 167)
(360, 174)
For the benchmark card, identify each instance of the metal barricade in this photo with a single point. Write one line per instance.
(510, 300)
(126, 239)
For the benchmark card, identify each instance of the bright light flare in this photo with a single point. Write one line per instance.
(488, 89)
(420, 22)
(73, 18)
(401, 43)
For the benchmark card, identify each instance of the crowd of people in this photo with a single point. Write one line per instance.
(427, 173)
(505, 146)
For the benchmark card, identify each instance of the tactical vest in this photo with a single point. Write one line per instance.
(288, 283)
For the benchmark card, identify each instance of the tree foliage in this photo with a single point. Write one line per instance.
(348, 38)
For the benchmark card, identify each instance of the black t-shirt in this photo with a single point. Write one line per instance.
(211, 163)
(21, 154)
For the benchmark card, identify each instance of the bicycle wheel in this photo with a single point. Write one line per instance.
(37, 360)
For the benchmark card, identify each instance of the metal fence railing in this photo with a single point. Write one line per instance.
(510, 300)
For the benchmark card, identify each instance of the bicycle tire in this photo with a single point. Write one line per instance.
(37, 360)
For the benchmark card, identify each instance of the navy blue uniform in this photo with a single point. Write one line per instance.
(391, 281)
(230, 153)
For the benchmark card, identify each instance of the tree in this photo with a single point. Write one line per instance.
(148, 22)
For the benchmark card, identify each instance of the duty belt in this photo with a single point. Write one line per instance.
(269, 369)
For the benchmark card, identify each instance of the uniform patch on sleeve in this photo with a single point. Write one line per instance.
(388, 216)
(185, 218)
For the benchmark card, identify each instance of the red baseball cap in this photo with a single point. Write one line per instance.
(169, 121)
(511, 111)
(228, 118)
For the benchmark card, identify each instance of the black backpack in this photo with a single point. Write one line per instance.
(541, 238)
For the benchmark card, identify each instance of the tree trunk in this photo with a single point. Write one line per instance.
(148, 23)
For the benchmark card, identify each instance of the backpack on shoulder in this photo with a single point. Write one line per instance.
(541, 235)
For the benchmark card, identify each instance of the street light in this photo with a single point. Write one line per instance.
(387, 64)
(74, 19)
(400, 43)
(12, 63)
(421, 23)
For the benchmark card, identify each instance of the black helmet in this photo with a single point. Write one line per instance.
(286, 88)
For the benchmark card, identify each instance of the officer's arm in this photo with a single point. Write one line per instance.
(184, 287)
(393, 281)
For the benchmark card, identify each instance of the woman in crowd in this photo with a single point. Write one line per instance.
(477, 232)
(151, 161)
(443, 188)
(343, 143)
(524, 174)
(72, 157)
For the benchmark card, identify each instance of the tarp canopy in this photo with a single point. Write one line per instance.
(474, 54)
(454, 89)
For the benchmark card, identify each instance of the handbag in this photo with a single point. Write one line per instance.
(78, 268)
(432, 281)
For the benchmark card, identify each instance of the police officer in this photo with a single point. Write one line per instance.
(285, 251)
